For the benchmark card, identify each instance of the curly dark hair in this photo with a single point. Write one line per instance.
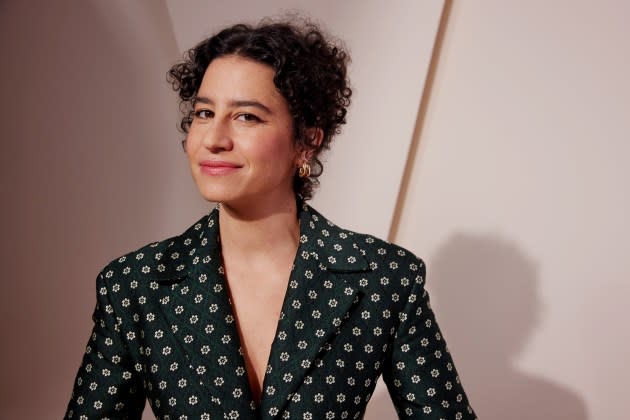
(310, 73)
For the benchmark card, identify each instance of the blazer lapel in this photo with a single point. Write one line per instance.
(195, 301)
(317, 302)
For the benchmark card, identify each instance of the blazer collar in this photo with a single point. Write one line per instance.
(335, 247)
(192, 275)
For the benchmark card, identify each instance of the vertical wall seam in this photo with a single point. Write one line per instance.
(420, 119)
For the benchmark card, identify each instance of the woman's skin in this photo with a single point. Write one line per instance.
(242, 154)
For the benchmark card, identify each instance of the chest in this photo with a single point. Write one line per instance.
(256, 303)
(332, 338)
(256, 298)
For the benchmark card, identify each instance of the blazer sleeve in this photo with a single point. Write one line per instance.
(107, 384)
(420, 375)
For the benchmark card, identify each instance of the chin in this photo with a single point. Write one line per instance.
(230, 197)
(215, 197)
(216, 194)
(237, 195)
(216, 190)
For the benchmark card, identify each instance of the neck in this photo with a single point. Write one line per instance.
(259, 230)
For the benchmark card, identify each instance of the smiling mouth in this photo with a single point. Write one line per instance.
(219, 168)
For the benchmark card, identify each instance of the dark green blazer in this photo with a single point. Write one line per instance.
(355, 308)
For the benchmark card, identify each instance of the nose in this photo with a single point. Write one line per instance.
(217, 137)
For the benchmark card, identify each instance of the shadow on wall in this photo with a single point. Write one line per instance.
(492, 288)
(489, 305)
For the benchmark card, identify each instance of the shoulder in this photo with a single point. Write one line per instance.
(380, 255)
(159, 259)
(383, 251)
(394, 265)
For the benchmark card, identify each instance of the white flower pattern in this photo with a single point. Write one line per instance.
(355, 308)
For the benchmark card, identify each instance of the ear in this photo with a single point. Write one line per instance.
(314, 138)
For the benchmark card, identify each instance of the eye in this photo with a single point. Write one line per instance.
(203, 114)
(248, 118)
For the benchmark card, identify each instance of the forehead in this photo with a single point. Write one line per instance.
(234, 77)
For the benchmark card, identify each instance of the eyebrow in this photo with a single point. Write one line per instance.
(234, 103)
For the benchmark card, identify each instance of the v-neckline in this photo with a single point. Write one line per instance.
(284, 310)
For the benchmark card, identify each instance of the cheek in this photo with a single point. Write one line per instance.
(276, 151)
(192, 148)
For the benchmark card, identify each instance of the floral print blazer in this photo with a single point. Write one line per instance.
(355, 308)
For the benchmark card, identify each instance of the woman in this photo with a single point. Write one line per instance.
(263, 308)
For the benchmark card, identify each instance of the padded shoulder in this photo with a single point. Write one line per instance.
(168, 258)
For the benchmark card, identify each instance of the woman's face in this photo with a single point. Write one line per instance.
(240, 142)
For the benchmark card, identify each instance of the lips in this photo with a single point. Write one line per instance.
(218, 167)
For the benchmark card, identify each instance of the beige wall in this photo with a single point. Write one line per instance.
(516, 199)
(519, 202)
(90, 167)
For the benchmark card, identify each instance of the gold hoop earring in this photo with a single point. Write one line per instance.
(305, 170)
